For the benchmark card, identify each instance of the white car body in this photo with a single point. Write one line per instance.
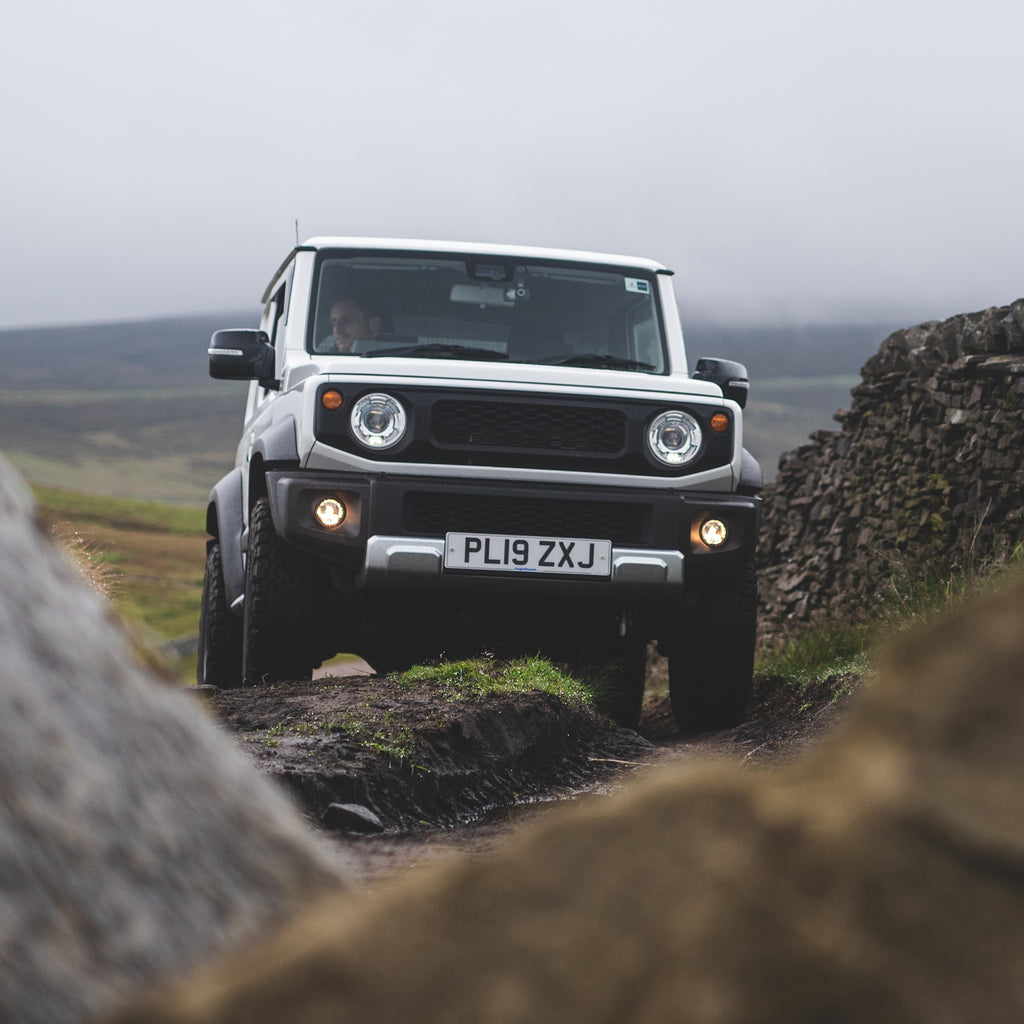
(491, 377)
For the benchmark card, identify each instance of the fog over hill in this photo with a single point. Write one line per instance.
(789, 350)
(171, 351)
(166, 352)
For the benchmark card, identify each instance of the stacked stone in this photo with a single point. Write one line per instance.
(926, 474)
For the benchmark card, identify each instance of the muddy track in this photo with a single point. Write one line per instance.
(403, 773)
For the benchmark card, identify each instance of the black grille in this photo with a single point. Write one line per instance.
(433, 515)
(528, 426)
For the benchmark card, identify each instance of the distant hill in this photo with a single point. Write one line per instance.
(795, 350)
(169, 352)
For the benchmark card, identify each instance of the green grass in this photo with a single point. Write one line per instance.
(479, 677)
(781, 414)
(811, 655)
(909, 600)
(120, 513)
(146, 556)
(167, 445)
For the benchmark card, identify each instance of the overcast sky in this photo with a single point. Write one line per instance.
(788, 159)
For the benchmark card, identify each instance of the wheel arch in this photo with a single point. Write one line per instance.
(225, 522)
(276, 446)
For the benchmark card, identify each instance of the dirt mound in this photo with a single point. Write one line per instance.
(366, 754)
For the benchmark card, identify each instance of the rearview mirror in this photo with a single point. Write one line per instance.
(242, 354)
(483, 294)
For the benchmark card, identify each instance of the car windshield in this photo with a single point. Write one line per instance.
(486, 308)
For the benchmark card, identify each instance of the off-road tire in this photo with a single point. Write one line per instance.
(616, 668)
(219, 661)
(711, 663)
(280, 633)
(627, 677)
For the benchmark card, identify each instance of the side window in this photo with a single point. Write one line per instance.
(273, 315)
(275, 312)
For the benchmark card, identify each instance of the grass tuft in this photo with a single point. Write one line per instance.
(907, 600)
(480, 677)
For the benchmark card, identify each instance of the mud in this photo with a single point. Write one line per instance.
(366, 755)
(403, 774)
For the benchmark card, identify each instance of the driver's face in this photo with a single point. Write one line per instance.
(350, 324)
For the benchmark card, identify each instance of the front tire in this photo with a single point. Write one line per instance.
(219, 661)
(280, 622)
(616, 667)
(711, 664)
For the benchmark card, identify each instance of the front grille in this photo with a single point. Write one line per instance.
(524, 426)
(433, 515)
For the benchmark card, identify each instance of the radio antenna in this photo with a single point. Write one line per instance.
(296, 230)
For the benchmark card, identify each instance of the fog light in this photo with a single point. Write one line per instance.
(330, 513)
(714, 532)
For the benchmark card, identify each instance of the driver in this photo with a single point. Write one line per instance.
(356, 315)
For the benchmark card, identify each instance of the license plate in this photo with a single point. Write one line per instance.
(499, 552)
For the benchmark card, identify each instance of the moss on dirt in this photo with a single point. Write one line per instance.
(421, 752)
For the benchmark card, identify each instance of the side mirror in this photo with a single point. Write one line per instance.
(729, 376)
(242, 354)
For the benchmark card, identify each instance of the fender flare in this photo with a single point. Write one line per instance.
(751, 478)
(277, 444)
(225, 521)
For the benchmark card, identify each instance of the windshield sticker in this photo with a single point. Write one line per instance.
(636, 284)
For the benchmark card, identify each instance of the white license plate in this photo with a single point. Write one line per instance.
(499, 552)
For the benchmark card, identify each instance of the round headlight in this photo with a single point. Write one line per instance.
(674, 438)
(378, 421)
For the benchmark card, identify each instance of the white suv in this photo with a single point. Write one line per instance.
(454, 447)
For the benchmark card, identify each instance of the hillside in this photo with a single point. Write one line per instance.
(164, 353)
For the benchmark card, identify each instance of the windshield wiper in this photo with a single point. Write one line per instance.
(438, 352)
(602, 361)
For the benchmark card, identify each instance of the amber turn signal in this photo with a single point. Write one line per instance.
(331, 400)
(719, 423)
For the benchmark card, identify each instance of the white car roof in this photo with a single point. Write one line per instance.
(484, 249)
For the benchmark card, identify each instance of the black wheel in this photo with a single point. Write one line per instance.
(616, 667)
(281, 625)
(220, 631)
(711, 663)
(385, 660)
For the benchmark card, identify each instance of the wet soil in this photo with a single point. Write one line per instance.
(400, 774)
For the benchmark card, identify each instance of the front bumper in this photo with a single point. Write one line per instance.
(392, 536)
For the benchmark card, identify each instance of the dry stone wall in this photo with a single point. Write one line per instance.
(925, 474)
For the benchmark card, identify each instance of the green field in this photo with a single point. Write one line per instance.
(781, 414)
(147, 557)
(159, 445)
